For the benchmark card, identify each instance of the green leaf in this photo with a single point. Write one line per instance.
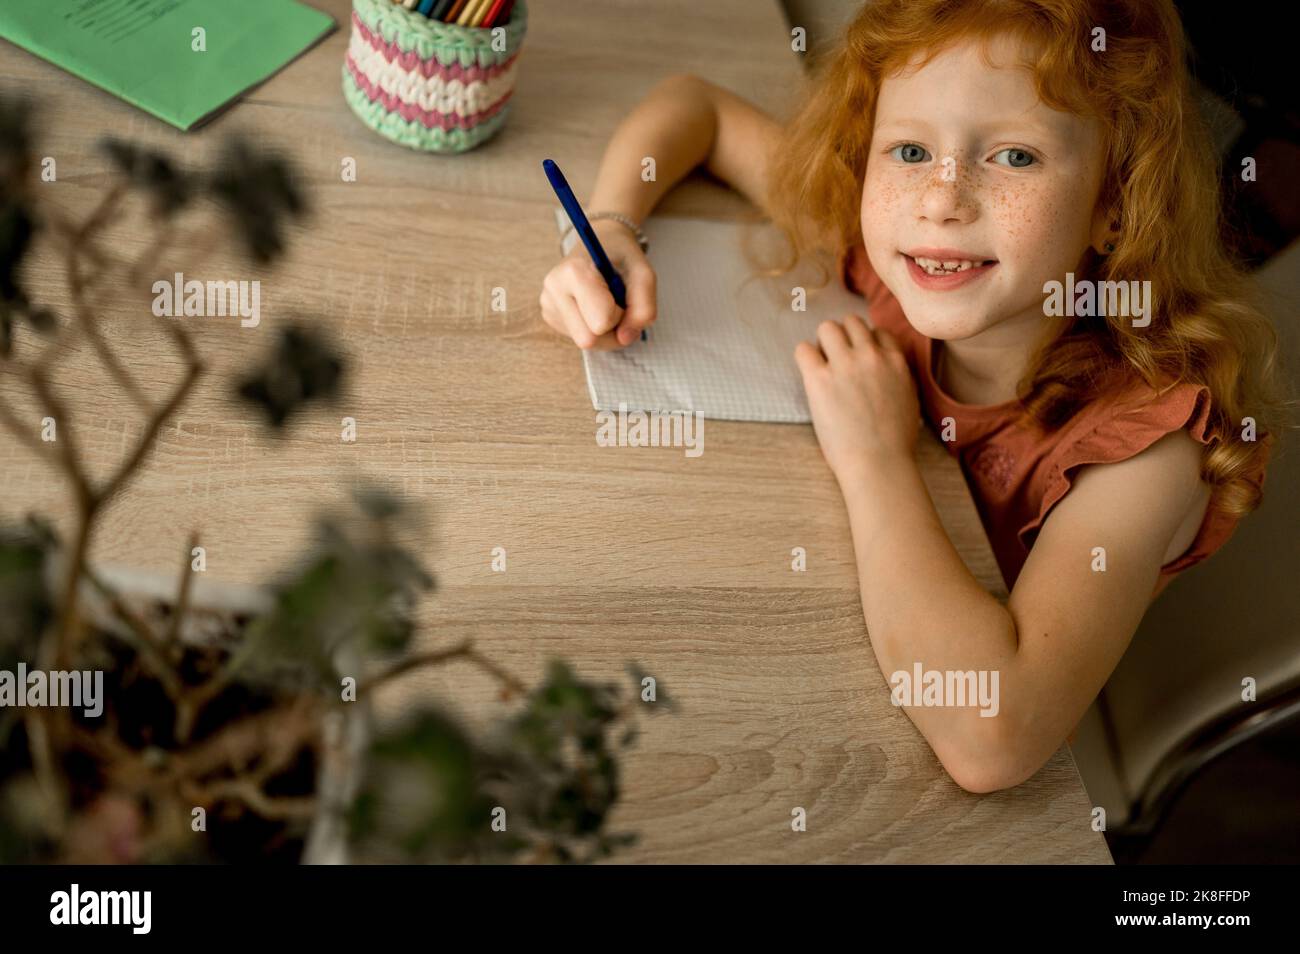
(422, 797)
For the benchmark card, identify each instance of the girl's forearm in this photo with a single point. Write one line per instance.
(922, 605)
(675, 126)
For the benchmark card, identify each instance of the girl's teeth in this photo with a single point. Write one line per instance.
(934, 267)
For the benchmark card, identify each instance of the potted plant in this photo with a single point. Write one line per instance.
(208, 722)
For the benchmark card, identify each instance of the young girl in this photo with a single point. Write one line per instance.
(958, 158)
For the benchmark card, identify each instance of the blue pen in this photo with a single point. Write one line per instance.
(587, 234)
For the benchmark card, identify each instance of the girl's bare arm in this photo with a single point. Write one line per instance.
(1066, 624)
(683, 123)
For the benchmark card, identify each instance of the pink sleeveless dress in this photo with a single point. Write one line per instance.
(1016, 474)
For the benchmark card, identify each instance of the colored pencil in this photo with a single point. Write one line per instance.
(493, 11)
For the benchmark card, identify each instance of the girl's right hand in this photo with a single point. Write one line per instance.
(578, 304)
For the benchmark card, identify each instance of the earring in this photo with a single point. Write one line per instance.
(1110, 246)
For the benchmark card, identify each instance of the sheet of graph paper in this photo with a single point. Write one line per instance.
(724, 340)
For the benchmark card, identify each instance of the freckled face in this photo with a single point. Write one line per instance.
(964, 157)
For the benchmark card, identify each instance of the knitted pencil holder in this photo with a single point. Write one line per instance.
(430, 85)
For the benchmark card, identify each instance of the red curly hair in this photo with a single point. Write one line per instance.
(1160, 182)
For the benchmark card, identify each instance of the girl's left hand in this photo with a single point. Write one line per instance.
(861, 394)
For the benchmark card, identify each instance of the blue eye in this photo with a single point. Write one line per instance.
(912, 153)
(1017, 158)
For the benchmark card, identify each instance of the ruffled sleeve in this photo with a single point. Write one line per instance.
(1114, 431)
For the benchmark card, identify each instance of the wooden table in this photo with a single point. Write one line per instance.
(683, 565)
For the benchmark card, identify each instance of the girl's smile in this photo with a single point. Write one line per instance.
(944, 269)
(967, 241)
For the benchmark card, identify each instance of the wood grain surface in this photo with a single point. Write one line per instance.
(483, 418)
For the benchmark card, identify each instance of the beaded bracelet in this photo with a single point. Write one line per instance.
(621, 219)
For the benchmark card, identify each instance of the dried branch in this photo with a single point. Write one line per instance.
(77, 239)
(439, 656)
(239, 742)
(269, 739)
(101, 213)
(273, 808)
(513, 686)
(48, 773)
(191, 704)
(66, 444)
(152, 650)
(90, 328)
(182, 595)
(153, 426)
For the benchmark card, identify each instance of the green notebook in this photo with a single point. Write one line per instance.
(181, 60)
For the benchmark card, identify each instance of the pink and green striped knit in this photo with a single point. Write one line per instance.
(425, 84)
